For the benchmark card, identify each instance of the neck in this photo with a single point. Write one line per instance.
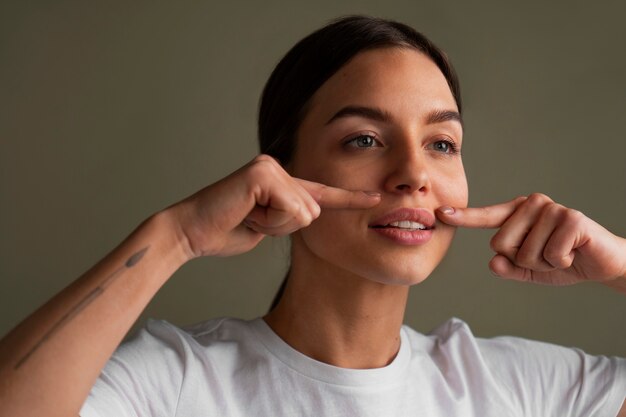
(339, 318)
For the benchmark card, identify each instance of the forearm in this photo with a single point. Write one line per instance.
(49, 362)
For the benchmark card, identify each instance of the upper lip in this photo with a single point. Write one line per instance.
(419, 215)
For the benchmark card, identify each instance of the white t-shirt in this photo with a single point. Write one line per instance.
(230, 367)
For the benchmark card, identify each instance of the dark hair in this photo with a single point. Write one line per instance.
(314, 60)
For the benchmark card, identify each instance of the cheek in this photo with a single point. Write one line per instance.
(452, 190)
(348, 175)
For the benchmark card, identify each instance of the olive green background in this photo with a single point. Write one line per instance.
(110, 111)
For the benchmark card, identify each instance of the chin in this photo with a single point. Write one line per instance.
(402, 265)
(372, 257)
(395, 275)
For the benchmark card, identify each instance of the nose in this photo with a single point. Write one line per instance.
(408, 173)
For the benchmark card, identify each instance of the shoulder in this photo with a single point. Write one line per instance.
(451, 335)
(540, 377)
(164, 367)
(161, 335)
(162, 355)
(454, 336)
(457, 334)
(162, 345)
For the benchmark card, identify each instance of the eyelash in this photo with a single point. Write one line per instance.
(453, 149)
(352, 141)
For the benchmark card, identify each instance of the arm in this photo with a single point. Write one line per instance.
(52, 358)
(50, 361)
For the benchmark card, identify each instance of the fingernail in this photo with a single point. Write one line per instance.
(372, 193)
(446, 210)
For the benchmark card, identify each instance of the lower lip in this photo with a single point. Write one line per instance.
(403, 236)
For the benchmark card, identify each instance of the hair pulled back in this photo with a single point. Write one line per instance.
(314, 60)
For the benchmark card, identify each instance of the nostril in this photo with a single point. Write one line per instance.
(407, 187)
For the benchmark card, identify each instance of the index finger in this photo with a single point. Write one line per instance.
(338, 198)
(487, 217)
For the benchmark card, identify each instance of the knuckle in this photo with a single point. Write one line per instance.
(296, 209)
(257, 170)
(556, 258)
(497, 243)
(263, 164)
(520, 199)
(573, 216)
(306, 218)
(525, 258)
(538, 199)
(316, 211)
(263, 158)
(302, 215)
(553, 210)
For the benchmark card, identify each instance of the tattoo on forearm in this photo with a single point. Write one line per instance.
(84, 302)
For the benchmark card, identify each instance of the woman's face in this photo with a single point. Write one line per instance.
(385, 122)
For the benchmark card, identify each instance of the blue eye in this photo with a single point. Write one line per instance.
(445, 146)
(363, 141)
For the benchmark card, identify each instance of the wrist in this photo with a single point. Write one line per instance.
(619, 282)
(175, 242)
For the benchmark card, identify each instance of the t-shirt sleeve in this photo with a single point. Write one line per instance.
(143, 377)
(551, 380)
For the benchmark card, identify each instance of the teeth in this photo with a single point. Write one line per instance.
(406, 224)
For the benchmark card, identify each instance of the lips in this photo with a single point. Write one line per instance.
(405, 226)
(406, 218)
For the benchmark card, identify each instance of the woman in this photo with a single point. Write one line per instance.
(362, 124)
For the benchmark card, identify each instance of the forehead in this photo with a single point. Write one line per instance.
(403, 81)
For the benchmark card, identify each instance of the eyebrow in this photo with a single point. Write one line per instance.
(372, 113)
(379, 115)
(440, 116)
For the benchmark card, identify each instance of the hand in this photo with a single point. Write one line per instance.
(261, 198)
(544, 242)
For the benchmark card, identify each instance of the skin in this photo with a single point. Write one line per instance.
(543, 242)
(342, 306)
(404, 166)
(351, 292)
